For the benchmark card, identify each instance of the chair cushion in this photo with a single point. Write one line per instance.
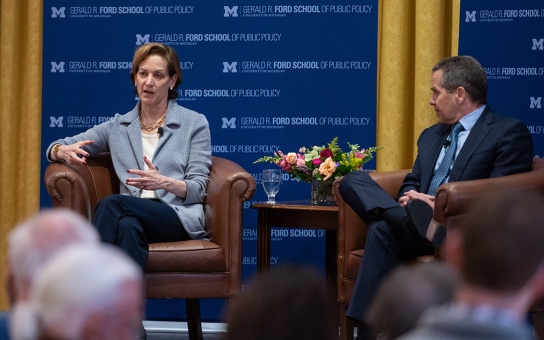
(186, 256)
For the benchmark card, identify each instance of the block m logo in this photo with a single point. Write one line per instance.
(58, 12)
(470, 16)
(141, 40)
(536, 103)
(230, 67)
(538, 44)
(229, 123)
(56, 122)
(57, 67)
(230, 12)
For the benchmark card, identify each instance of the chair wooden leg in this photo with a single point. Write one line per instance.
(346, 324)
(192, 306)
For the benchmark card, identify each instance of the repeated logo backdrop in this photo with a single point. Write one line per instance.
(274, 76)
(507, 37)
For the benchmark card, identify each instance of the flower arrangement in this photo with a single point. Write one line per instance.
(322, 163)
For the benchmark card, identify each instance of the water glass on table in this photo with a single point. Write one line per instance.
(271, 179)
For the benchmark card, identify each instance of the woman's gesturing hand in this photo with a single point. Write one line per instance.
(148, 179)
(73, 153)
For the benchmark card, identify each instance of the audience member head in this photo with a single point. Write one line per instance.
(288, 302)
(32, 242)
(83, 292)
(464, 71)
(499, 246)
(406, 293)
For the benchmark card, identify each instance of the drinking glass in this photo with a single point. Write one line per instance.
(271, 183)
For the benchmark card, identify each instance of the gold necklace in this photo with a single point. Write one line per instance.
(151, 128)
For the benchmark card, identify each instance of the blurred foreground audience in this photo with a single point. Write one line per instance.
(285, 303)
(84, 292)
(34, 241)
(499, 253)
(406, 293)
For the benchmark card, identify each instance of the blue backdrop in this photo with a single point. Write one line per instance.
(271, 76)
(507, 37)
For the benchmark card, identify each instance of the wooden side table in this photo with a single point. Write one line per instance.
(297, 214)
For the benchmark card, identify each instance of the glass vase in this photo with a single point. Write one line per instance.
(322, 193)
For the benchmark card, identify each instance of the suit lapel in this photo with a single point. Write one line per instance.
(429, 158)
(478, 133)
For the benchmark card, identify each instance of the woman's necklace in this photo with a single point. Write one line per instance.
(151, 128)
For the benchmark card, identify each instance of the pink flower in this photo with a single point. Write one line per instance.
(327, 168)
(283, 164)
(325, 153)
(317, 161)
(300, 164)
(360, 154)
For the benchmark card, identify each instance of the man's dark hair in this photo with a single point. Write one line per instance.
(467, 72)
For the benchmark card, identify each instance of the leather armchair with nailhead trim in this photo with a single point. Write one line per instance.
(192, 270)
(451, 201)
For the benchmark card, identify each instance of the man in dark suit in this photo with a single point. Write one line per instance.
(483, 145)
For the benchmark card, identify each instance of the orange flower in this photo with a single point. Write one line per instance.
(327, 168)
(291, 158)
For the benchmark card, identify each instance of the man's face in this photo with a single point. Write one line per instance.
(445, 104)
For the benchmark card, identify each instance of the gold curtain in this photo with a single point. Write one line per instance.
(413, 36)
(20, 112)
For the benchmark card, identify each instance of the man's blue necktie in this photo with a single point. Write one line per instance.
(444, 168)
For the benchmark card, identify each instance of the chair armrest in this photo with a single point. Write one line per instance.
(453, 199)
(228, 187)
(80, 187)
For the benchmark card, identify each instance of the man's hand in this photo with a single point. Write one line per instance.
(412, 194)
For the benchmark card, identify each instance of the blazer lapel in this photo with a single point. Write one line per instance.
(172, 122)
(134, 136)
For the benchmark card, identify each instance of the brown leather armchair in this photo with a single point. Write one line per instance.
(193, 269)
(452, 200)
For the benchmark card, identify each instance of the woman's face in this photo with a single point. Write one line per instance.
(153, 81)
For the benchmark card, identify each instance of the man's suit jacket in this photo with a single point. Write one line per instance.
(496, 146)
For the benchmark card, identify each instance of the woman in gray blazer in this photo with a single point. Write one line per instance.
(161, 153)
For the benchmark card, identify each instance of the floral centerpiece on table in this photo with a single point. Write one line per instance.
(321, 165)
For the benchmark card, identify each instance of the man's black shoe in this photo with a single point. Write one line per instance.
(421, 215)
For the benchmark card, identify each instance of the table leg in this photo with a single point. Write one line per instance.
(331, 243)
(263, 242)
(331, 253)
